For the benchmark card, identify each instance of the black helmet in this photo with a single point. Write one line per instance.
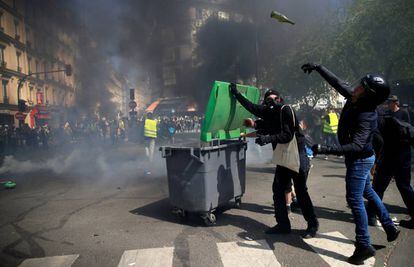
(271, 92)
(377, 88)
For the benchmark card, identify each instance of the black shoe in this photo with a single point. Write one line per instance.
(278, 229)
(361, 254)
(310, 232)
(392, 233)
(407, 224)
(372, 221)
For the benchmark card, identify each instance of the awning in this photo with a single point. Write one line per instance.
(172, 105)
(153, 106)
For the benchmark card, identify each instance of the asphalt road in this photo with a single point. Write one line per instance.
(96, 207)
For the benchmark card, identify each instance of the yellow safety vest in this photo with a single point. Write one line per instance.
(332, 126)
(150, 128)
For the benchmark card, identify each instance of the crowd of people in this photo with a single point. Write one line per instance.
(94, 131)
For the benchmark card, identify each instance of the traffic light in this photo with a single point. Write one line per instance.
(131, 94)
(68, 70)
(22, 105)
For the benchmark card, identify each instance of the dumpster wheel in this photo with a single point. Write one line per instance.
(209, 219)
(179, 212)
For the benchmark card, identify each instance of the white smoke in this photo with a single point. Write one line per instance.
(98, 162)
(258, 154)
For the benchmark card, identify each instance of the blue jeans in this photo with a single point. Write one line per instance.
(358, 186)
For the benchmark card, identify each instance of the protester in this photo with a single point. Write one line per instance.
(357, 124)
(394, 161)
(281, 126)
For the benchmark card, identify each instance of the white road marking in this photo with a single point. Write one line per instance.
(335, 248)
(247, 253)
(55, 261)
(150, 257)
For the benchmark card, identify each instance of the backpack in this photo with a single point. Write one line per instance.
(404, 130)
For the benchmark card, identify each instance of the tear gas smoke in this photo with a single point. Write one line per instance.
(101, 163)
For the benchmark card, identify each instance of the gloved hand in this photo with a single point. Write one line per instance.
(309, 67)
(326, 150)
(321, 149)
(233, 89)
(262, 140)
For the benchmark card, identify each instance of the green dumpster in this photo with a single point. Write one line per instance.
(200, 179)
(224, 115)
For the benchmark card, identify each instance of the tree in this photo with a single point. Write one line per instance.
(377, 36)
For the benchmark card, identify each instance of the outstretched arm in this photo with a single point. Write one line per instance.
(341, 86)
(359, 140)
(257, 110)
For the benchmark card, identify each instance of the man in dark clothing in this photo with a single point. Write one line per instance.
(394, 161)
(357, 124)
(276, 131)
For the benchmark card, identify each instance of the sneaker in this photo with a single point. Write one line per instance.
(361, 254)
(392, 233)
(277, 229)
(326, 158)
(311, 231)
(407, 224)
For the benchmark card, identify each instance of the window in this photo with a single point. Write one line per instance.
(2, 62)
(29, 62)
(169, 76)
(1, 20)
(46, 100)
(29, 44)
(18, 54)
(4, 87)
(169, 55)
(52, 67)
(37, 69)
(16, 29)
(31, 94)
(45, 70)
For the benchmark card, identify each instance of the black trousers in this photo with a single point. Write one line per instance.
(283, 177)
(395, 164)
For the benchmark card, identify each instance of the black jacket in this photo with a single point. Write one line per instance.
(357, 122)
(386, 140)
(271, 125)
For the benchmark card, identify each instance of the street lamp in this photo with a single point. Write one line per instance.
(67, 71)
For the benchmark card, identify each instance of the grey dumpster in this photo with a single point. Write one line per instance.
(200, 179)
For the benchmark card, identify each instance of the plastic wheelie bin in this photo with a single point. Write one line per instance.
(202, 178)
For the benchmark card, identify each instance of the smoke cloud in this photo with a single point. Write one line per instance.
(133, 35)
(102, 163)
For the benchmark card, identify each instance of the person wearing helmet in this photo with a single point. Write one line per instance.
(394, 161)
(277, 126)
(357, 125)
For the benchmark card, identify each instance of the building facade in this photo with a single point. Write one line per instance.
(179, 42)
(30, 46)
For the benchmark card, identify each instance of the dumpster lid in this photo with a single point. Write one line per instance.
(224, 114)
